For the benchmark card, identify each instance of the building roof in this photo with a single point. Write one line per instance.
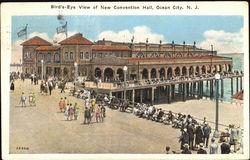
(110, 48)
(176, 58)
(77, 39)
(36, 41)
(47, 48)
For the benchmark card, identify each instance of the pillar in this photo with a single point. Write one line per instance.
(222, 89)
(211, 89)
(232, 87)
(202, 89)
(152, 95)
(241, 83)
(169, 93)
(173, 90)
(237, 84)
(191, 89)
(159, 93)
(133, 96)
(110, 94)
(183, 92)
(198, 90)
(194, 88)
(141, 92)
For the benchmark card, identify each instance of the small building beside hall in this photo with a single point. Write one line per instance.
(106, 59)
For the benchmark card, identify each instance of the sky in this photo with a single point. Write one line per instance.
(225, 33)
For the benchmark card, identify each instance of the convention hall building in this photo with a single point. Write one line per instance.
(106, 59)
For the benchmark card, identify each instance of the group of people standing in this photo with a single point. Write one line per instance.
(32, 100)
(70, 112)
(91, 110)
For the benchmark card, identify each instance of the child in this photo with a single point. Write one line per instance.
(61, 105)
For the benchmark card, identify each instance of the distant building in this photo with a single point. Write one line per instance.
(105, 59)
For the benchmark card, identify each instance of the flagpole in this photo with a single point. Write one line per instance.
(66, 30)
(26, 32)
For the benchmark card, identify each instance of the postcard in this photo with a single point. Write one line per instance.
(125, 80)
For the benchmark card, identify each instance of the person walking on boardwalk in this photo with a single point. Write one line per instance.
(66, 112)
(65, 102)
(206, 131)
(23, 100)
(98, 114)
(103, 112)
(213, 149)
(76, 111)
(41, 87)
(71, 112)
(12, 86)
(50, 87)
(61, 105)
(190, 131)
(93, 102)
(233, 137)
(225, 148)
(86, 116)
(199, 135)
(184, 138)
(32, 99)
(63, 87)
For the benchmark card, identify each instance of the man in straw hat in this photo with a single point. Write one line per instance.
(201, 149)
(186, 149)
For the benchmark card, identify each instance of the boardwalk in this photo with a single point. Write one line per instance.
(44, 130)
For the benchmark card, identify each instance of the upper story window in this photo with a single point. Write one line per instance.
(27, 55)
(71, 56)
(87, 55)
(40, 57)
(81, 55)
(49, 57)
(66, 56)
(57, 57)
(99, 55)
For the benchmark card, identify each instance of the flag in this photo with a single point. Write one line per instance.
(22, 32)
(62, 29)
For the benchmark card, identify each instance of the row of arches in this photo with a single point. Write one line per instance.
(109, 74)
(166, 55)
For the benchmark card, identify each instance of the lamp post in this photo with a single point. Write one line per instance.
(75, 64)
(125, 69)
(216, 132)
(42, 68)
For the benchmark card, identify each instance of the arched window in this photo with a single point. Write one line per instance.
(178, 54)
(57, 58)
(155, 55)
(48, 57)
(140, 55)
(87, 55)
(81, 55)
(167, 55)
(190, 54)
